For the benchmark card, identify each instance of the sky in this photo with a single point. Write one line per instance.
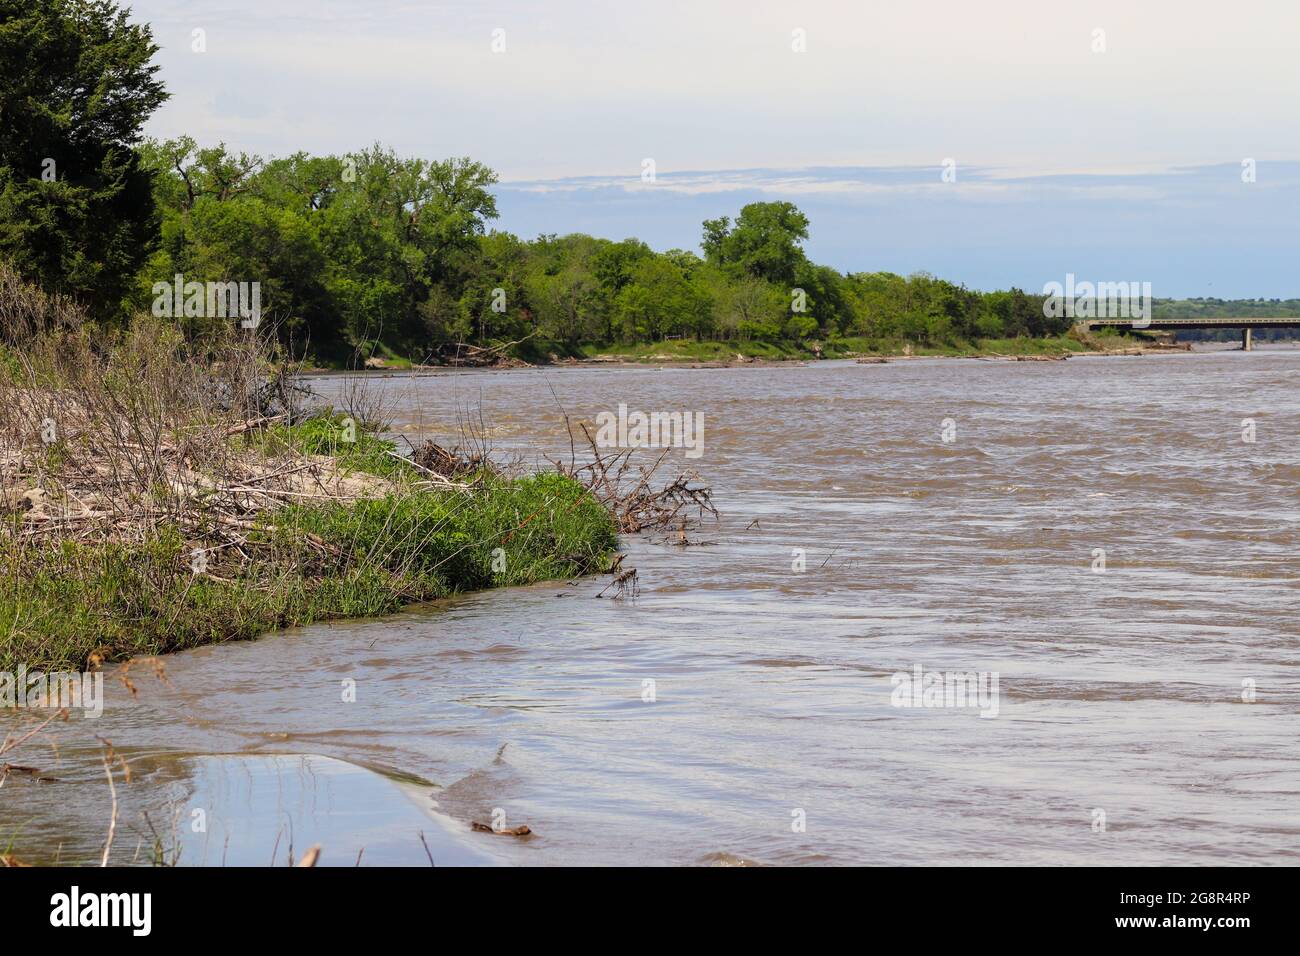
(1104, 139)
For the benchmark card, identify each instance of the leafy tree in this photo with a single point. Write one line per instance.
(229, 218)
(403, 226)
(764, 241)
(825, 301)
(745, 307)
(361, 252)
(660, 301)
(571, 306)
(76, 86)
(496, 302)
(1027, 311)
(613, 263)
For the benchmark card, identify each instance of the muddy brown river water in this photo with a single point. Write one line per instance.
(1147, 711)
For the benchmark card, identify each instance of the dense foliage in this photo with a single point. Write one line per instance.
(76, 85)
(371, 253)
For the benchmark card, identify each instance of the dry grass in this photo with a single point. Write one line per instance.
(159, 491)
(113, 436)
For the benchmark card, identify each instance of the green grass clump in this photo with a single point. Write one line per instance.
(338, 437)
(10, 368)
(1021, 345)
(1024, 345)
(59, 605)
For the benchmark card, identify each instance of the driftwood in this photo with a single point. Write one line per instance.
(432, 459)
(462, 354)
(262, 422)
(629, 494)
(520, 831)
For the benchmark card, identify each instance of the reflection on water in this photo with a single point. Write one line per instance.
(239, 810)
(242, 806)
(1121, 692)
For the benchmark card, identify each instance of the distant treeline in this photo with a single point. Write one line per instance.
(374, 253)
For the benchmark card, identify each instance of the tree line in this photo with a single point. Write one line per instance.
(372, 252)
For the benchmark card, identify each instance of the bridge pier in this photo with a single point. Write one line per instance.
(1246, 344)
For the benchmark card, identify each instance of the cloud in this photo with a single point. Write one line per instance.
(972, 185)
(582, 88)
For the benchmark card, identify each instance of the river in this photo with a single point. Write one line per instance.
(1098, 533)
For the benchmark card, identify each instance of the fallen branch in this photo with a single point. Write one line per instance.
(628, 492)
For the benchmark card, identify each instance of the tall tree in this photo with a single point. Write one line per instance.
(660, 301)
(76, 86)
(765, 241)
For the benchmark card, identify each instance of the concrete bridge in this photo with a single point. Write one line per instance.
(1245, 324)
